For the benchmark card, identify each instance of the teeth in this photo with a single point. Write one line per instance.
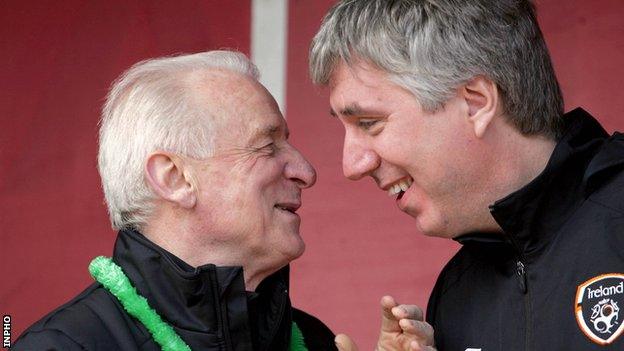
(289, 209)
(403, 185)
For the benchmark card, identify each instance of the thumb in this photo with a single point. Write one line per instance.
(344, 343)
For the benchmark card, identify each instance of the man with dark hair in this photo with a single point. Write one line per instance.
(453, 106)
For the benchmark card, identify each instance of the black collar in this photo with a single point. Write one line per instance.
(205, 305)
(536, 211)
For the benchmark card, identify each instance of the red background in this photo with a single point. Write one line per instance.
(58, 58)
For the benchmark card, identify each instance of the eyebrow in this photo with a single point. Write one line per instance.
(267, 130)
(355, 109)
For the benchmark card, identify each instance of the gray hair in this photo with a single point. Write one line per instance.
(150, 107)
(432, 47)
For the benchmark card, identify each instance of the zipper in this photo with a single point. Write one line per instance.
(282, 308)
(523, 285)
(524, 288)
(222, 309)
(522, 279)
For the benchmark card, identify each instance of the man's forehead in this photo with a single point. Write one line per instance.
(238, 102)
(219, 85)
(356, 89)
(358, 70)
(270, 129)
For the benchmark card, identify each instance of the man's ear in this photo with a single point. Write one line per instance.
(165, 175)
(482, 97)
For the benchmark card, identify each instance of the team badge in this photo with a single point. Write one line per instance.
(597, 308)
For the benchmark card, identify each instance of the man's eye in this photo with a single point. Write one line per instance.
(366, 124)
(269, 149)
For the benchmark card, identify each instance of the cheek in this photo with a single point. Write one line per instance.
(227, 194)
(267, 175)
(403, 152)
(407, 141)
(251, 191)
(262, 189)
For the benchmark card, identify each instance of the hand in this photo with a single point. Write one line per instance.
(402, 329)
(344, 343)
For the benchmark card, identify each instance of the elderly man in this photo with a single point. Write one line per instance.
(204, 188)
(453, 106)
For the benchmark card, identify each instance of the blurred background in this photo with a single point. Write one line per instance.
(58, 59)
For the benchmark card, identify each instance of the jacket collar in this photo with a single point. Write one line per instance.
(536, 211)
(206, 305)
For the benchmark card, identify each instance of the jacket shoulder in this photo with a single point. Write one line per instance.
(46, 339)
(604, 177)
(93, 320)
(316, 335)
(610, 195)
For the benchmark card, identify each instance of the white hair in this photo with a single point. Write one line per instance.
(432, 47)
(150, 107)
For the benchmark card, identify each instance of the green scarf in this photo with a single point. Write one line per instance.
(112, 277)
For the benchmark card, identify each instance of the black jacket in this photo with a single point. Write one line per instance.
(208, 307)
(518, 291)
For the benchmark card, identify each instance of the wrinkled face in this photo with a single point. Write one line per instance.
(250, 190)
(428, 161)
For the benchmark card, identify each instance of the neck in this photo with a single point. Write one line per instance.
(179, 237)
(526, 158)
(518, 159)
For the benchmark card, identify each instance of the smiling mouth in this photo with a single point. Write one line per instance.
(292, 208)
(400, 187)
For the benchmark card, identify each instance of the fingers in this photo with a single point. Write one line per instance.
(419, 329)
(392, 313)
(408, 312)
(344, 343)
(389, 323)
(415, 346)
(406, 320)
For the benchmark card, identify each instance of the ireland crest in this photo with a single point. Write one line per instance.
(597, 307)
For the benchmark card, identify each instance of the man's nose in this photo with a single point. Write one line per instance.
(299, 170)
(358, 160)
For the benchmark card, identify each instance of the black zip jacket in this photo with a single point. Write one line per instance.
(208, 307)
(524, 289)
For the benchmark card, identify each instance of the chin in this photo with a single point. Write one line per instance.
(299, 250)
(432, 228)
(296, 249)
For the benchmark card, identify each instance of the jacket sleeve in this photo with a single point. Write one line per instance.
(45, 339)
